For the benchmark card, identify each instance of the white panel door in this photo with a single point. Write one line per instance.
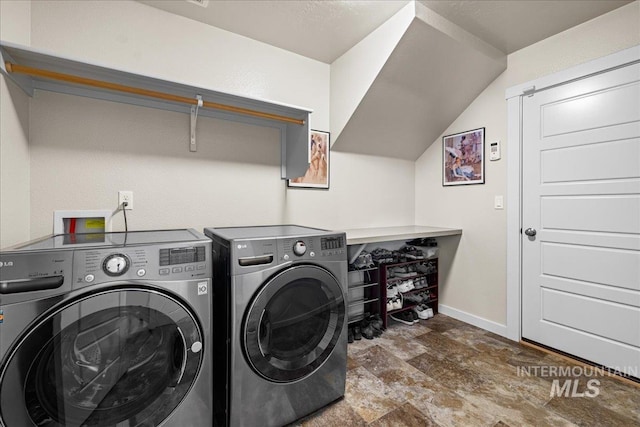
(581, 197)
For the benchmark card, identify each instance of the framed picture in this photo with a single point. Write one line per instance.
(317, 176)
(463, 158)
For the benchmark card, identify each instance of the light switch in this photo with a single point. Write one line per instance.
(498, 202)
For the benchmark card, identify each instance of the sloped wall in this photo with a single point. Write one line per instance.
(433, 72)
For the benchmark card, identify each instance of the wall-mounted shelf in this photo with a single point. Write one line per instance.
(363, 236)
(32, 69)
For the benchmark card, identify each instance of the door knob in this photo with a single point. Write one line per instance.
(530, 232)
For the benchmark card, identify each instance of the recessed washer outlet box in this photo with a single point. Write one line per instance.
(81, 221)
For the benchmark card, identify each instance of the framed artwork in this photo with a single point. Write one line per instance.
(317, 175)
(463, 158)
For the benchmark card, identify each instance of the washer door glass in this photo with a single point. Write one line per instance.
(294, 323)
(120, 357)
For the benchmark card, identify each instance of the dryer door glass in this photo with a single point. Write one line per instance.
(294, 323)
(121, 357)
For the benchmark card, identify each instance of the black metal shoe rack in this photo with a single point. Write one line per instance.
(432, 288)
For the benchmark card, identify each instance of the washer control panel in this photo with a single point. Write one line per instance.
(159, 262)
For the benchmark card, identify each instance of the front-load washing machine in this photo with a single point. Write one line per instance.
(106, 329)
(279, 322)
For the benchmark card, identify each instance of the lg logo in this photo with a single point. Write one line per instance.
(6, 264)
(242, 246)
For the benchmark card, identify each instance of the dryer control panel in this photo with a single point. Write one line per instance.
(328, 247)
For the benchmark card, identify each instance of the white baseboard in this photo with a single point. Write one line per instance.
(474, 320)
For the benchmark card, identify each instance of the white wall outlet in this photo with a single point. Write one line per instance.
(498, 202)
(126, 196)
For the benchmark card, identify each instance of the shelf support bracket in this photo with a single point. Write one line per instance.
(194, 118)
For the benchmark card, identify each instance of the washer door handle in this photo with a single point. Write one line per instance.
(185, 348)
(264, 334)
(30, 285)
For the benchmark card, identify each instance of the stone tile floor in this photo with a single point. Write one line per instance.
(443, 372)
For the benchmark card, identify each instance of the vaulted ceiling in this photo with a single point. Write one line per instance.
(326, 29)
(412, 58)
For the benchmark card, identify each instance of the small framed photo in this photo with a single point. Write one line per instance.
(317, 175)
(463, 158)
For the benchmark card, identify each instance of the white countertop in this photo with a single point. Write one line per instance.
(359, 236)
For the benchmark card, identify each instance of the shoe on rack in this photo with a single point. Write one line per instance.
(367, 329)
(376, 321)
(404, 286)
(429, 311)
(394, 271)
(357, 334)
(431, 267)
(421, 311)
(369, 261)
(381, 256)
(413, 299)
(361, 261)
(389, 304)
(404, 272)
(425, 297)
(392, 290)
(398, 256)
(416, 319)
(412, 252)
(410, 284)
(422, 283)
(397, 302)
(422, 268)
(403, 317)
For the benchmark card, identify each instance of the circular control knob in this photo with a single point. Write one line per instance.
(299, 248)
(115, 264)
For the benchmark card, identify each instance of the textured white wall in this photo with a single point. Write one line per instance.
(83, 151)
(475, 279)
(15, 26)
(365, 191)
(15, 21)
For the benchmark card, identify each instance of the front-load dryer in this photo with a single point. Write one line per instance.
(279, 323)
(106, 329)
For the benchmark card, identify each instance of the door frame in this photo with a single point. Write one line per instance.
(514, 96)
